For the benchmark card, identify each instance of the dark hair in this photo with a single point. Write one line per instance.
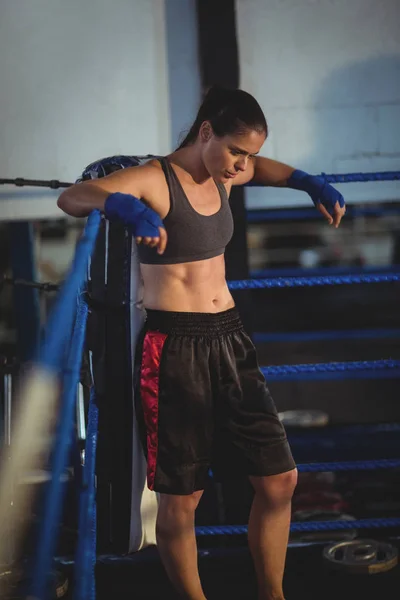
(229, 112)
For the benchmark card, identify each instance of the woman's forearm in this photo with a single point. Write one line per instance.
(271, 172)
(79, 200)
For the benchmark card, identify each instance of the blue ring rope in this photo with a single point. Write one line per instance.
(61, 319)
(351, 177)
(361, 177)
(85, 558)
(280, 282)
(298, 527)
(379, 369)
(54, 497)
(355, 465)
(352, 465)
(69, 313)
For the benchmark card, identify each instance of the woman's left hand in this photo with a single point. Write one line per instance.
(327, 200)
(330, 203)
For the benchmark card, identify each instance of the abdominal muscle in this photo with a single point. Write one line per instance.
(198, 286)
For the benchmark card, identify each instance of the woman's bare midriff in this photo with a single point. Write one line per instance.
(198, 286)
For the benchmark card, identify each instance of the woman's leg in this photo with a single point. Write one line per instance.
(252, 440)
(269, 530)
(176, 543)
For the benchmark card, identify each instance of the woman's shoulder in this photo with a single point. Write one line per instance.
(154, 164)
(149, 171)
(153, 185)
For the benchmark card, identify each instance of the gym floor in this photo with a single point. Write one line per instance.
(228, 573)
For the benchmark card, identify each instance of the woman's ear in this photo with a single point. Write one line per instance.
(206, 131)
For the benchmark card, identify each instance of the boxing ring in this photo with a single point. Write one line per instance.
(103, 292)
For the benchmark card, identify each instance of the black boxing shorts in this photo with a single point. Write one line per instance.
(202, 403)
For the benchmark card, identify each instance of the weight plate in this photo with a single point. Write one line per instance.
(361, 556)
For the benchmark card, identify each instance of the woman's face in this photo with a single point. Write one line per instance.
(225, 157)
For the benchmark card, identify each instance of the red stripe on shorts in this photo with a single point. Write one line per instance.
(153, 344)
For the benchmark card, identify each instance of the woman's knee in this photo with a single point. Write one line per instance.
(276, 489)
(176, 513)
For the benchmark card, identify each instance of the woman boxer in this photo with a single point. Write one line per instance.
(203, 400)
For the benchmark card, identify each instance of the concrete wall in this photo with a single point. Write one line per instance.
(79, 81)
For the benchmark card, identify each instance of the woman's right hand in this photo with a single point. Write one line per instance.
(145, 224)
(159, 242)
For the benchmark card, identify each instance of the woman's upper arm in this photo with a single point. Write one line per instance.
(145, 182)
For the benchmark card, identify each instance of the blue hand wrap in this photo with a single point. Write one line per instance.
(141, 220)
(318, 189)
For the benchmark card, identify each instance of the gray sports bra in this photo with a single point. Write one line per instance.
(191, 236)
